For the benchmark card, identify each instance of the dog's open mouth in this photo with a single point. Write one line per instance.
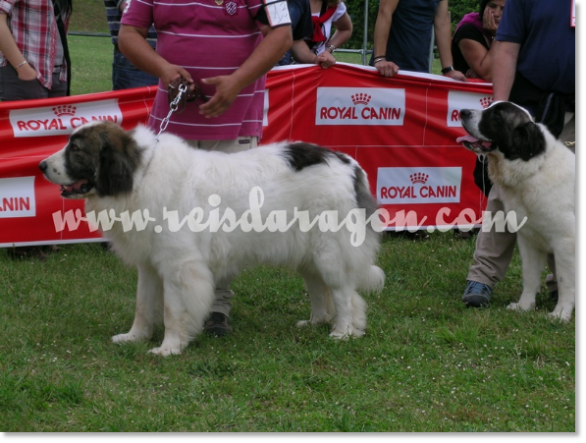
(475, 144)
(76, 190)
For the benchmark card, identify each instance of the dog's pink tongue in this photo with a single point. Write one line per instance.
(75, 187)
(474, 141)
(467, 138)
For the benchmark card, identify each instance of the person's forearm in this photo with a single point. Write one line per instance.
(302, 53)
(382, 28)
(443, 40)
(339, 38)
(8, 46)
(132, 43)
(504, 67)
(270, 50)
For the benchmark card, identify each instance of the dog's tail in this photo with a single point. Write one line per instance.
(373, 280)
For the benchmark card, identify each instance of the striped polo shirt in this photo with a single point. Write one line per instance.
(208, 38)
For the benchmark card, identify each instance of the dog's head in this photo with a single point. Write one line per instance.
(100, 158)
(505, 127)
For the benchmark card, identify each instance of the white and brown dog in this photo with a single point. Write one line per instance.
(536, 176)
(230, 211)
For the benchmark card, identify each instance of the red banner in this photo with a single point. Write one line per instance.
(402, 131)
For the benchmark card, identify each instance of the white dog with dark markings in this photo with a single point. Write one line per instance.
(121, 171)
(536, 175)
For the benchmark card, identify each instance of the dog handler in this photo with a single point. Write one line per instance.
(215, 45)
(545, 86)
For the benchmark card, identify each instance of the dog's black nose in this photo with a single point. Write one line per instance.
(43, 166)
(465, 113)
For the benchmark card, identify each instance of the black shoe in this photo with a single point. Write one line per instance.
(217, 325)
(477, 294)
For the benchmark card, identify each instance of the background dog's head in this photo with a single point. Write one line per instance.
(100, 158)
(505, 127)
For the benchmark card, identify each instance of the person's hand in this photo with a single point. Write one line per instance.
(26, 72)
(488, 21)
(325, 60)
(456, 75)
(386, 68)
(227, 90)
(173, 74)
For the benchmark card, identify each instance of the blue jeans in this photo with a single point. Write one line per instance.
(125, 75)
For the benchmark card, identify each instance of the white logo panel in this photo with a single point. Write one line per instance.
(360, 106)
(17, 197)
(62, 119)
(421, 185)
(458, 100)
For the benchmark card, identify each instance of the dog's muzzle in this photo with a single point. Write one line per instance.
(77, 189)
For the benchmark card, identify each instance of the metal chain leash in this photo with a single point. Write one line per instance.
(173, 106)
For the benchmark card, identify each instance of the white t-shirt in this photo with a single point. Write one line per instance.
(327, 27)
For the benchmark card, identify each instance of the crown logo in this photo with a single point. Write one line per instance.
(485, 102)
(361, 98)
(64, 110)
(419, 177)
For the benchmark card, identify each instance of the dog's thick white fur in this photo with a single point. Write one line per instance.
(536, 175)
(177, 271)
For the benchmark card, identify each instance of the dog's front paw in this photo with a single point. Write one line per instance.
(165, 351)
(561, 314)
(346, 333)
(128, 338)
(315, 321)
(519, 307)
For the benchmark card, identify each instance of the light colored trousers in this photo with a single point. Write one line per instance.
(494, 250)
(224, 295)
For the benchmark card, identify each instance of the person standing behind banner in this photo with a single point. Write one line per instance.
(473, 39)
(218, 47)
(34, 56)
(34, 60)
(124, 74)
(534, 66)
(326, 13)
(301, 24)
(403, 37)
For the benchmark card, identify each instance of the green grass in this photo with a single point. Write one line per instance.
(427, 364)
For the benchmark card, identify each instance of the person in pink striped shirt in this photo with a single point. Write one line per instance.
(219, 46)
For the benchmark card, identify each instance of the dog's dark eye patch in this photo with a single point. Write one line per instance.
(303, 155)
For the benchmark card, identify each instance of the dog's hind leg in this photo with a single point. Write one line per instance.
(149, 306)
(533, 263)
(320, 297)
(565, 265)
(345, 301)
(358, 315)
(189, 294)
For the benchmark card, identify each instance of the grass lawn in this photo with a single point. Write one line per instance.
(426, 364)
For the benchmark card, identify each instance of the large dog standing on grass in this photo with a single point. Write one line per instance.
(536, 174)
(184, 251)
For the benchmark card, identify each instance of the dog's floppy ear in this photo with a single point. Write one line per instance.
(116, 166)
(529, 140)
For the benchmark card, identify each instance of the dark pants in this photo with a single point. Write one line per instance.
(125, 75)
(13, 88)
